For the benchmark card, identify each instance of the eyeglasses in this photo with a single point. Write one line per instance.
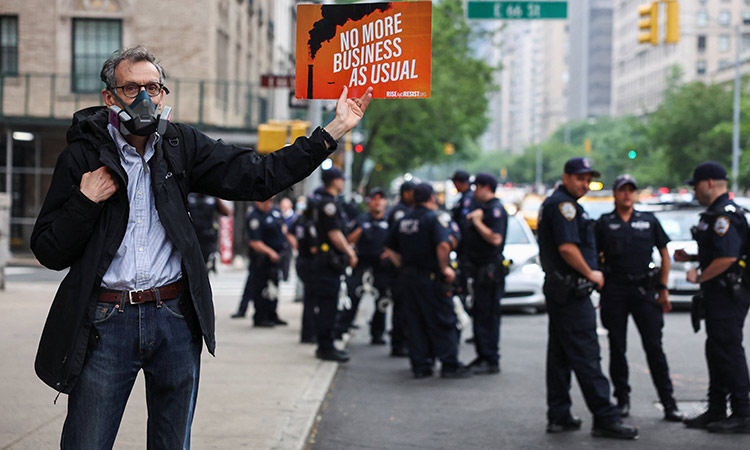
(131, 90)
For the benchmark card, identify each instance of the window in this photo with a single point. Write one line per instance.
(746, 42)
(746, 17)
(94, 41)
(725, 16)
(702, 18)
(701, 67)
(8, 45)
(724, 43)
(701, 43)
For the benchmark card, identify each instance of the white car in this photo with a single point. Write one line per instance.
(523, 285)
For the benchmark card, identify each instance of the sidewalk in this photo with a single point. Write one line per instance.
(261, 391)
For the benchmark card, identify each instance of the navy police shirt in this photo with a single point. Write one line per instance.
(371, 242)
(330, 217)
(626, 247)
(721, 231)
(416, 237)
(478, 250)
(268, 228)
(562, 220)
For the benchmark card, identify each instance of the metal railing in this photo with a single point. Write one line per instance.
(204, 103)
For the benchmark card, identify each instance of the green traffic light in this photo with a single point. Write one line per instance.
(632, 154)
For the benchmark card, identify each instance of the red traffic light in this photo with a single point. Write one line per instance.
(358, 148)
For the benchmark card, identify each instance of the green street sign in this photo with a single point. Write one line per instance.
(517, 10)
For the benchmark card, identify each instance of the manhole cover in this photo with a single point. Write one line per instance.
(689, 408)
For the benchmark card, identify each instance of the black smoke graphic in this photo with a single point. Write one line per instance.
(337, 15)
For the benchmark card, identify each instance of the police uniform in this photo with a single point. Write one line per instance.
(485, 268)
(721, 232)
(204, 211)
(264, 281)
(458, 216)
(330, 265)
(630, 288)
(431, 319)
(306, 233)
(573, 344)
(369, 247)
(398, 317)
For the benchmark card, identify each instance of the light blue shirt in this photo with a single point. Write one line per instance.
(146, 257)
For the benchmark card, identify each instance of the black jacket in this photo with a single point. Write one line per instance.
(72, 231)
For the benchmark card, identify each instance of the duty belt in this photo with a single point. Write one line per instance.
(625, 277)
(139, 296)
(419, 272)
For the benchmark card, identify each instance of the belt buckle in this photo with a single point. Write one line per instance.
(130, 297)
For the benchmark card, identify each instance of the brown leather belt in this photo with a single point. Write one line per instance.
(137, 297)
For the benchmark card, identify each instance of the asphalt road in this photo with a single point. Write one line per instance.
(374, 403)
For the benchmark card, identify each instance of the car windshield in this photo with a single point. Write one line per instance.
(595, 209)
(516, 234)
(677, 223)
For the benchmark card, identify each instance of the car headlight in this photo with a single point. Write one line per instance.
(531, 266)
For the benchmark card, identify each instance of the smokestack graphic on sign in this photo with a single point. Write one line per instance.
(325, 29)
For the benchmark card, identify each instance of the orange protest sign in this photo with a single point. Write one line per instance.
(386, 45)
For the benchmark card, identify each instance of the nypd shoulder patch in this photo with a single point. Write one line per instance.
(254, 224)
(329, 209)
(568, 210)
(721, 225)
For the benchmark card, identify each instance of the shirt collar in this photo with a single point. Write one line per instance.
(124, 148)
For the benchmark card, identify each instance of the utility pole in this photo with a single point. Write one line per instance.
(736, 115)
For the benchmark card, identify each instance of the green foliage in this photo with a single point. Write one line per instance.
(404, 134)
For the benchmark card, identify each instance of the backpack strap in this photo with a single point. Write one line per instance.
(174, 144)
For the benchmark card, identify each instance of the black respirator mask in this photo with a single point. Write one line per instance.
(141, 117)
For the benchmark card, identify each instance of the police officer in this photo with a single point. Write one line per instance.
(267, 233)
(398, 317)
(205, 211)
(420, 245)
(306, 235)
(461, 180)
(625, 240)
(484, 239)
(568, 254)
(334, 254)
(721, 236)
(371, 277)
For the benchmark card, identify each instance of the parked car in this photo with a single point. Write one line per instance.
(597, 203)
(677, 221)
(523, 284)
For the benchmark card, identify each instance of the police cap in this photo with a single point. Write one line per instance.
(709, 170)
(375, 191)
(485, 179)
(624, 179)
(580, 165)
(407, 186)
(331, 174)
(460, 176)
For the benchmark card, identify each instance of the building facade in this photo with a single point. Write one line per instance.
(51, 52)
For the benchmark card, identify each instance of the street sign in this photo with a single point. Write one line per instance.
(517, 10)
(277, 81)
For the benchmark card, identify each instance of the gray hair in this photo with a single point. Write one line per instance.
(134, 55)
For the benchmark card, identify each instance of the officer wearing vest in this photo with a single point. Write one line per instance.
(625, 239)
(306, 234)
(398, 317)
(333, 256)
(420, 245)
(371, 277)
(267, 234)
(568, 255)
(721, 235)
(484, 239)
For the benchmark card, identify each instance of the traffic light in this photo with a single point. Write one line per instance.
(358, 148)
(271, 137)
(632, 154)
(673, 22)
(649, 22)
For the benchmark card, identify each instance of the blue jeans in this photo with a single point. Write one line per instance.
(153, 336)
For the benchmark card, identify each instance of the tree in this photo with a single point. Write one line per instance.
(403, 134)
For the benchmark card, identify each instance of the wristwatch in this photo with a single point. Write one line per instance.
(661, 286)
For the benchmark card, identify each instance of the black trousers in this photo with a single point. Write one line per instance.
(305, 271)
(725, 355)
(486, 318)
(265, 307)
(325, 296)
(432, 324)
(618, 302)
(345, 319)
(573, 346)
(399, 317)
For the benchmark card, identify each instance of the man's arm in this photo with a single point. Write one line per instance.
(443, 256)
(339, 241)
(354, 236)
(261, 247)
(716, 268)
(663, 298)
(492, 238)
(572, 255)
(69, 213)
